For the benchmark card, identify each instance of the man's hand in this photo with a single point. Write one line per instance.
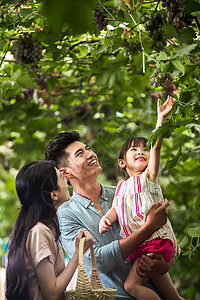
(157, 215)
(153, 264)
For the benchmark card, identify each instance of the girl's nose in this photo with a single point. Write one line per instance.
(140, 152)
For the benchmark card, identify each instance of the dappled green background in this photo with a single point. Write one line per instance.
(89, 83)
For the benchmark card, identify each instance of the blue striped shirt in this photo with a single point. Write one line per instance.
(80, 213)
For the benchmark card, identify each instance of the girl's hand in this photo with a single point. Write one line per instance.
(88, 240)
(164, 110)
(104, 225)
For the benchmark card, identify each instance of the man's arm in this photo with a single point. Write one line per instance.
(110, 255)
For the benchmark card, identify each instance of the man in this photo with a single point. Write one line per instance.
(80, 166)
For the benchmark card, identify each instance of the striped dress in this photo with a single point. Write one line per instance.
(133, 199)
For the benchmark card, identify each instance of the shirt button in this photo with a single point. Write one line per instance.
(85, 205)
(106, 198)
(92, 204)
(126, 262)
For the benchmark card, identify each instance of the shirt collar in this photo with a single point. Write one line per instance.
(87, 202)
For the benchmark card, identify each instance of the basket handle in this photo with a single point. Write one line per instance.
(95, 279)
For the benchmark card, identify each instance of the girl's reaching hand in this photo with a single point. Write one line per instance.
(164, 110)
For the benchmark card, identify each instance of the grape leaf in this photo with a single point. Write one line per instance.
(173, 162)
(183, 50)
(194, 231)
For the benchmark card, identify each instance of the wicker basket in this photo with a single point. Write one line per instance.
(85, 289)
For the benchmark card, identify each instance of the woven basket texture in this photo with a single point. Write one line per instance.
(85, 289)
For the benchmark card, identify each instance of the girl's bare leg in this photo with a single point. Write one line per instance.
(166, 287)
(134, 285)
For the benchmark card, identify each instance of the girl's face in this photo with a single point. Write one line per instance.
(62, 192)
(136, 160)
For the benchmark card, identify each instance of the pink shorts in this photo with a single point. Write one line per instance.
(160, 246)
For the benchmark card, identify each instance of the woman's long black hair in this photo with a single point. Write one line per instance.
(34, 183)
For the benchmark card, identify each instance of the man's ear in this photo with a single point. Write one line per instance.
(54, 195)
(66, 172)
(121, 163)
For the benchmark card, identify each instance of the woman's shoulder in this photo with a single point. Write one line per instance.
(40, 230)
(40, 226)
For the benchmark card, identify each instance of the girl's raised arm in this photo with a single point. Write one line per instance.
(154, 160)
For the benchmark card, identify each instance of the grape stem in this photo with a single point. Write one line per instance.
(5, 52)
(106, 9)
(157, 6)
(140, 37)
(107, 6)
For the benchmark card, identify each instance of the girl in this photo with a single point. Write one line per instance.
(133, 199)
(36, 269)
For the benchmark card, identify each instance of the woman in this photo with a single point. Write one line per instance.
(36, 267)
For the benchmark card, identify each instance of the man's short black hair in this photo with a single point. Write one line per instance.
(55, 149)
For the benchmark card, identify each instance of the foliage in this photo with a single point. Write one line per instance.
(105, 84)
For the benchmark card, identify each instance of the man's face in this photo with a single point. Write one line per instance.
(82, 162)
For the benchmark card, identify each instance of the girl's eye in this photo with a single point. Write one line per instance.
(133, 149)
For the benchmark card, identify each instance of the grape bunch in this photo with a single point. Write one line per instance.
(165, 80)
(175, 15)
(131, 48)
(169, 88)
(27, 50)
(157, 95)
(68, 121)
(83, 111)
(153, 23)
(42, 80)
(28, 93)
(159, 78)
(100, 20)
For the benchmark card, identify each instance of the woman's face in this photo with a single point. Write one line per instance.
(62, 192)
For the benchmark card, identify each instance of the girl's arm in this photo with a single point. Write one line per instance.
(107, 220)
(53, 287)
(154, 160)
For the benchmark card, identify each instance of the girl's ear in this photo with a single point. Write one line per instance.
(54, 195)
(121, 163)
(66, 172)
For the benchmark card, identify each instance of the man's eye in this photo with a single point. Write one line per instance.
(78, 154)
